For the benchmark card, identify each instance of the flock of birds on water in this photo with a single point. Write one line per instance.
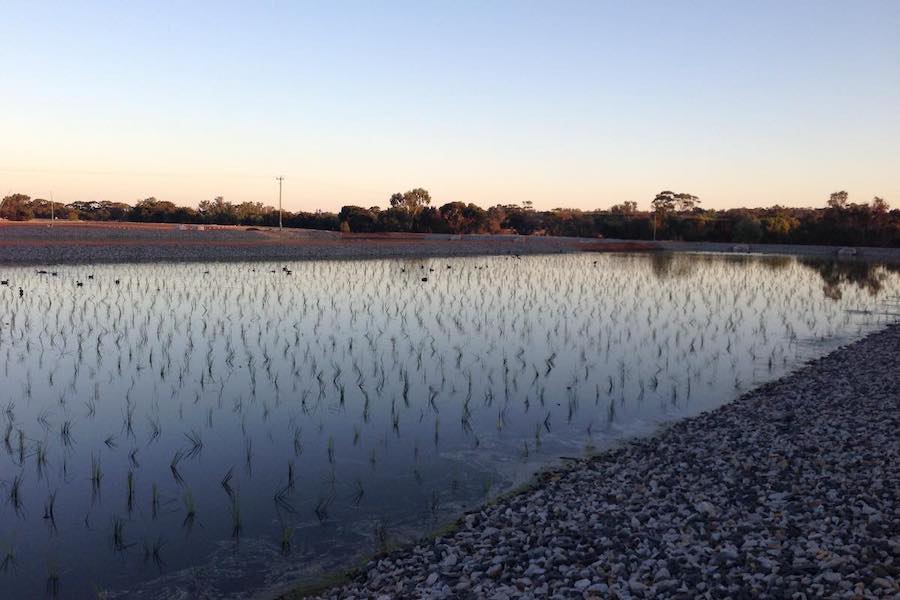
(155, 410)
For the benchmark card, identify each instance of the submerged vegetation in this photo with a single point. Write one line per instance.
(159, 414)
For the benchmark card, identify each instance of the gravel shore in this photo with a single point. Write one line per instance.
(36, 243)
(789, 492)
(94, 243)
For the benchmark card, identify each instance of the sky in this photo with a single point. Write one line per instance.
(561, 103)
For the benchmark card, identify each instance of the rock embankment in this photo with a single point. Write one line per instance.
(789, 492)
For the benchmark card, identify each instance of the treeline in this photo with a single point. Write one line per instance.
(19, 207)
(672, 216)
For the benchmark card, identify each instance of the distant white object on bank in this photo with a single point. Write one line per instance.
(740, 248)
(846, 252)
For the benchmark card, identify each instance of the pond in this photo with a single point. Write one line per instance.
(175, 430)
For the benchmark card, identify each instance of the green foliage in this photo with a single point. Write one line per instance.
(629, 207)
(16, 207)
(838, 200)
(780, 225)
(675, 216)
(412, 201)
(747, 230)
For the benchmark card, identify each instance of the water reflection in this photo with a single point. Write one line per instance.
(840, 274)
(229, 427)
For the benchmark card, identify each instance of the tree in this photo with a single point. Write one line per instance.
(569, 222)
(880, 205)
(663, 204)
(838, 200)
(686, 202)
(16, 207)
(255, 213)
(393, 219)
(157, 211)
(748, 230)
(524, 222)
(358, 219)
(218, 211)
(629, 207)
(315, 220)
(780, 225)
(430, 221)
(40, 208)
(454, 215)
(667, 202)
(102, 210)
(413, 201)
(396, 200)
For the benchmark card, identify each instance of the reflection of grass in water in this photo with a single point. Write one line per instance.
(130, 492)
(153, 552)
(382, 540)
(173, 466)
(96, 474)
(322, 506)
(287, 534)
(237, 521)
(7, 558)
(154, 500)
(118, 534)
(190, 510)
(15, 492)
(52, 582)
(50, 510)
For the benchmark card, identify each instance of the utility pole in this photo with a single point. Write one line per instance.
(280, 178)
(51, 209)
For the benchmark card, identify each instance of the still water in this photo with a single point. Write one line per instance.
(174, 430)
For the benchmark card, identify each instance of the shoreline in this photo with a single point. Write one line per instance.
(36, 243)
(787, 489)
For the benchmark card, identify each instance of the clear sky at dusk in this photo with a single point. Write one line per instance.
(577, 104)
